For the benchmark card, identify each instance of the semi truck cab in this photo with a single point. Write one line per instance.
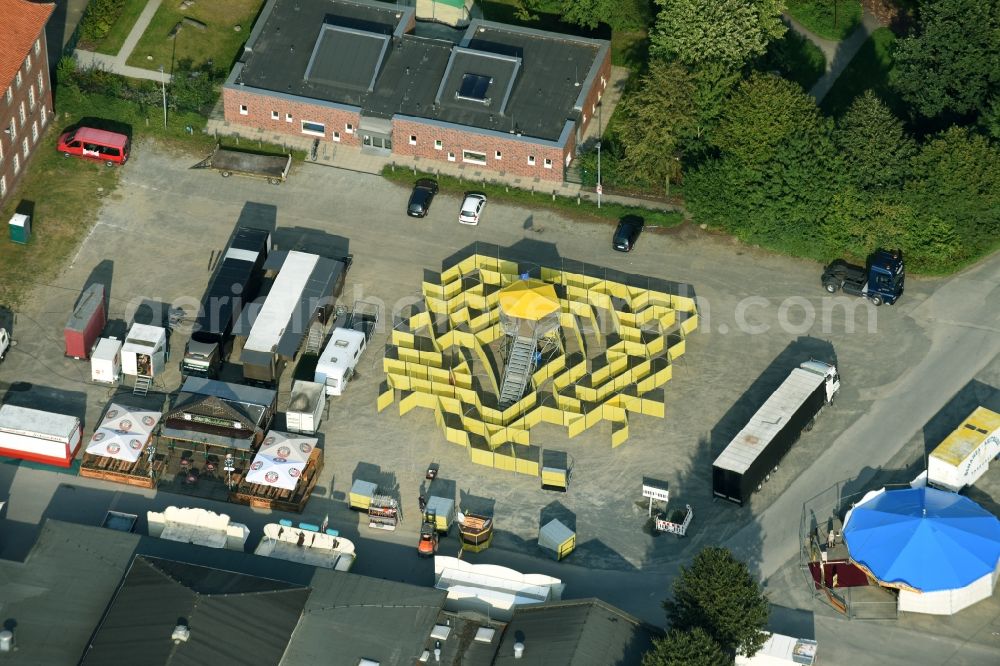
(201, 359)
(880, 281)
(830, 374)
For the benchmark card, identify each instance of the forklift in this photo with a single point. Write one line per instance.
(428, 544)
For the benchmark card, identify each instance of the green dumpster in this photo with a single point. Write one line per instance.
(20, 228)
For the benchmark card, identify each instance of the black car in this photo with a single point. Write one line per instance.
(421, 198)
(627, 233)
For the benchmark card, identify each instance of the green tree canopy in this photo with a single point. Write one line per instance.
(654, 120)
(952, 63)
(619, 14)
(875, 147)
(729, 32)
(718, 594)
(686, 648)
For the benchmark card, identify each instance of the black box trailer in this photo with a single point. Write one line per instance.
(747, 462)
(236, 282)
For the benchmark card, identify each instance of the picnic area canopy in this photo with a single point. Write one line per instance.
(281, 459)
(123, 432)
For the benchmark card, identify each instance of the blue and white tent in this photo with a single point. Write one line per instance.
(942, 550)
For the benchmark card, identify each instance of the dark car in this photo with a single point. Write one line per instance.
(627, 233)
(421, 198)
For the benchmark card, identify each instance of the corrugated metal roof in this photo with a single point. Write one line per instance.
(768, 420)
(584, 632)
(967, 437)
(232, 617)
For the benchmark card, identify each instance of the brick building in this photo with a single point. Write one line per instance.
(26, 105)
(366, 73)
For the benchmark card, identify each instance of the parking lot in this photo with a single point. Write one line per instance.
(761, 316)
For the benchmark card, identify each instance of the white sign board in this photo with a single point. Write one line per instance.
(654, 492)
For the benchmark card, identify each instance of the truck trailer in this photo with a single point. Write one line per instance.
(44, 437)
(236, 282)
(747, 462)
(966, 453)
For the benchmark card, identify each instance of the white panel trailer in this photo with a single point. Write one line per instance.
(305, 409)
(31, 434)
(106, 361)
(145, 351)
(966, 453)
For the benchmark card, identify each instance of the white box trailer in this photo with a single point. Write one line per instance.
(145, 351)
(305, 409)
(347, 343)
(780, 650)
(965, 454)
(31, 434)
(106, 361)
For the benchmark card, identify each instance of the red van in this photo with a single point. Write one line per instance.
(108, 147)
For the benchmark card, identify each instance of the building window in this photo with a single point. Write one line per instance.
(44, 116)
(473, 157)
(317, 129)
(531, 160)
(10, 95)
(41, 82)
(451, 157)
(18, 79)
(413, 139)
(31, 97)
(274, 115)
(349, 128)
(24, 147)
(12, 130)
(38, 46)
(22, 114)
(336, 136)
(244, 111)
(499, 155)
(17, 163)
(27, 63)
(288, 117)
(34, 131)
(438, 144)
(3, 186)
(548, 163)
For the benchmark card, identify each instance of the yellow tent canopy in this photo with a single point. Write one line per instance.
(529, 299)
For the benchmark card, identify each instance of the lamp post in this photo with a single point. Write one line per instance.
(600, 189)
(163, 86)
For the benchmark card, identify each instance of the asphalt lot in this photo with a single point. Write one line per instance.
(761, 316)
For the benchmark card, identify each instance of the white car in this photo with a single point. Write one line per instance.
(472, 208)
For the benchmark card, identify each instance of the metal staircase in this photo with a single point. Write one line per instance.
(517, 374)
(142, 384)
(314, 343)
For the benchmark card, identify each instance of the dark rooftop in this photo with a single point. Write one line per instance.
(499, 77)
(584, 632)
(232, 618)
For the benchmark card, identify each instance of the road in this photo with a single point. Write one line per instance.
(962, 319)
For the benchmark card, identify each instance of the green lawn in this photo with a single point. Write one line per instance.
(111, 44)
(870, 68)
(831, 19)
(584, 210)
(796, 59)
(218, 42)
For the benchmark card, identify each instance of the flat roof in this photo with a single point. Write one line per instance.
(975, 429)
(249, 395)
(16, 420)
(274, 317)
(768, 421)
(491, 77)
(144, 338)
(91, 299)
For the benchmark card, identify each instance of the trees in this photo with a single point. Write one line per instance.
(728, 32)
(776, 169)
(952, 64)
(718, 594)
(875, 147)
(686, 648)
(654, 121)
(619, 14)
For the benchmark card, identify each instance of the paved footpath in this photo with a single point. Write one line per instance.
(837, 54)
(116, 63)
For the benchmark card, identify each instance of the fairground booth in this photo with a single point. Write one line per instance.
(121, 449)
(210, 434)
(282, 474)
(940, 550)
